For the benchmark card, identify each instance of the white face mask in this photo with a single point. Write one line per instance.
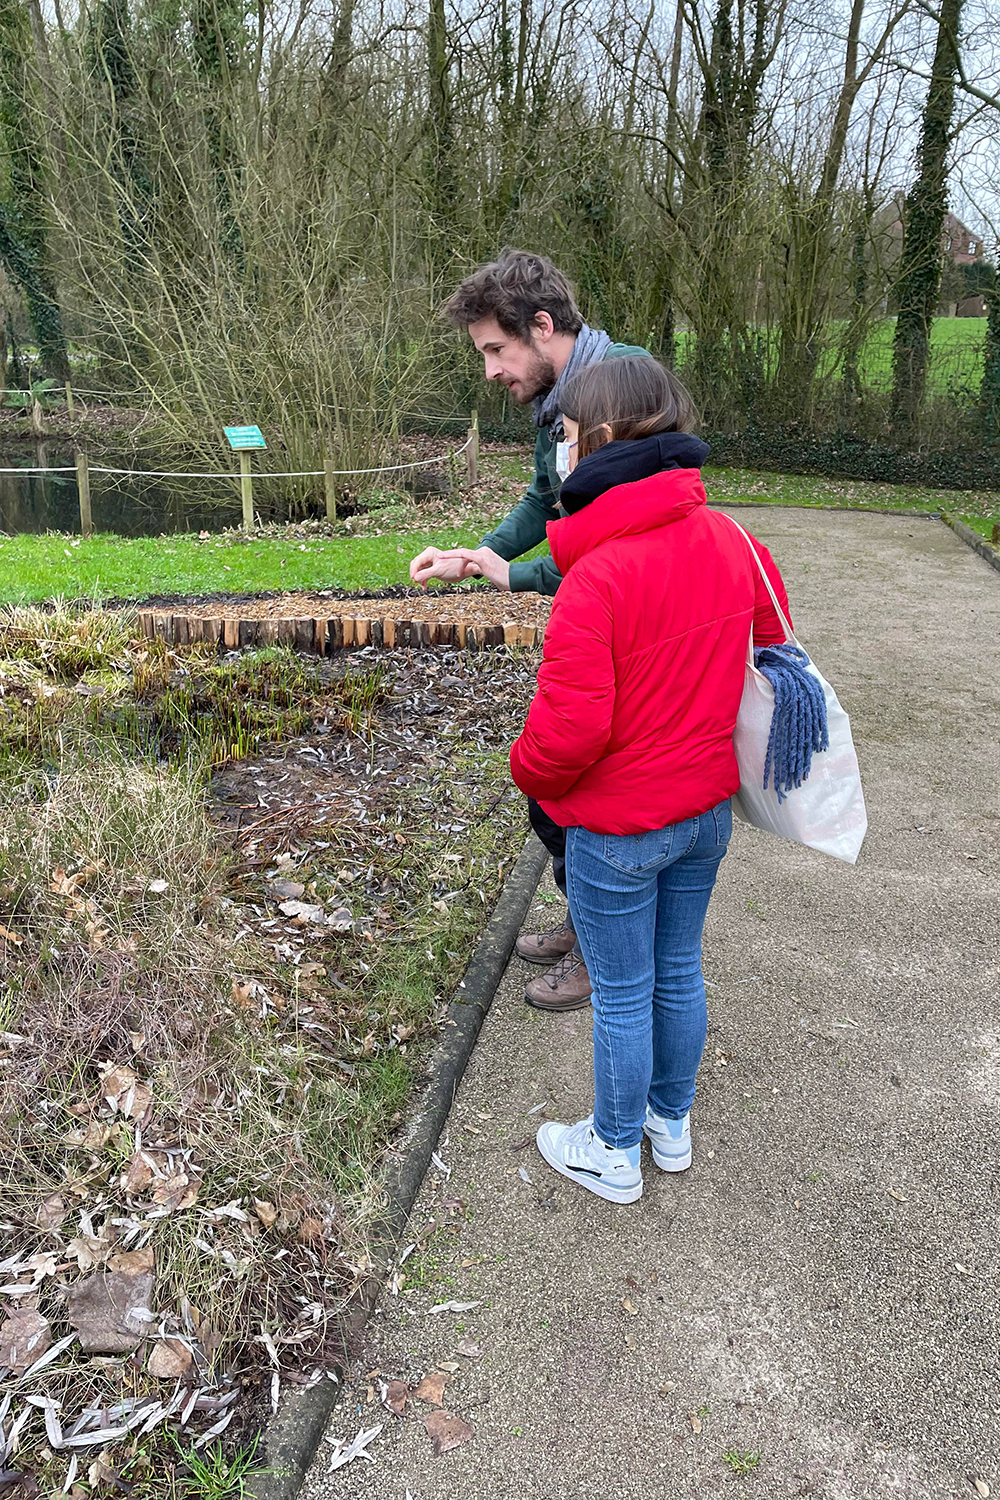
(562, 460)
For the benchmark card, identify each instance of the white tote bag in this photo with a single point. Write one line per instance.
(827, 811)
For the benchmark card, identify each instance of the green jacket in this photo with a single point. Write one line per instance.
(525, 527)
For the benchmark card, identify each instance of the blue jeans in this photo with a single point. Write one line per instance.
(639, 901)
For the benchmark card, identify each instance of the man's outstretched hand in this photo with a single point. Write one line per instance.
(460, 563)
(450, 567)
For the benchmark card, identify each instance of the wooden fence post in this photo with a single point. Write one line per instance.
(83, 485)
(331, 488)
(472, 451)
(69, 401)
(246, 490)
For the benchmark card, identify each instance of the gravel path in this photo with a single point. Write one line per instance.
(812, 1309)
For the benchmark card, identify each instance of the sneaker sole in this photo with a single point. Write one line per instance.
(557, 1004)
(542, 958)
(669, 1163)
(593, 1185)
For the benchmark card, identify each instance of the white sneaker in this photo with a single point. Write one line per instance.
(579, 1154)
(671, 1141)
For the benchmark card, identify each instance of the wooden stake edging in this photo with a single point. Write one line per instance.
(83, 485)
(328, 635)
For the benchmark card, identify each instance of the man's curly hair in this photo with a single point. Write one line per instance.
(513, 289)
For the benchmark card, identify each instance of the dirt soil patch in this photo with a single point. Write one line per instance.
(478, 606)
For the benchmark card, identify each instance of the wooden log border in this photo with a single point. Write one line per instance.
(324, 637)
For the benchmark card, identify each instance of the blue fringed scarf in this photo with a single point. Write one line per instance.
(798, 724)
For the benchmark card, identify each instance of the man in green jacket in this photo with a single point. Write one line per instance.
(522, 317)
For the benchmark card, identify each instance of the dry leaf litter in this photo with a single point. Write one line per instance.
(139, 1288)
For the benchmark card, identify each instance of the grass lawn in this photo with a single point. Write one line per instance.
(986, 527)
(810, 489)
(51, 565)
(373, 550)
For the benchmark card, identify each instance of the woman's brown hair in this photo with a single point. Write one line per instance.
(635, 397)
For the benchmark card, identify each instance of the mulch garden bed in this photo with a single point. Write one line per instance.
(324, 622)
(208, 1160)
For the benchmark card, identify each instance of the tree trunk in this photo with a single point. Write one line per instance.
(111, 43)
(24, 226)
(810, 249)
(989, 395)
(926, 205)
(440, 127)
(20, 262)
(333, 89)
(858, 323)
(216, 30)
(726, 365)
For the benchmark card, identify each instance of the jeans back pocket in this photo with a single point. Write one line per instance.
(723, 814)
(637, 852)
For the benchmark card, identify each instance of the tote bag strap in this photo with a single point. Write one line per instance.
(789, 633)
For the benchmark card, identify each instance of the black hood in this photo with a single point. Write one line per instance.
(629, 460)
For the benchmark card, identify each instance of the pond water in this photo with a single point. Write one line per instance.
(128, 506)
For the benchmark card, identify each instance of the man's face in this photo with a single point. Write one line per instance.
(525, 369)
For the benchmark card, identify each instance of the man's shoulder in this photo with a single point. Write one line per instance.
(622, 351)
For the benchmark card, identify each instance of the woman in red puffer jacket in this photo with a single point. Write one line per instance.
(629, 746)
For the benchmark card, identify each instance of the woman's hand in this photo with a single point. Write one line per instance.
(488, 564)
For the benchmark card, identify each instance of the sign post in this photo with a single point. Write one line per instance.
(472, 451)
(246, 491)
(330, 485)
(242, 440)
(83, 486)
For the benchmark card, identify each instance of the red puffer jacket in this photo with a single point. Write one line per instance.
(640, 683)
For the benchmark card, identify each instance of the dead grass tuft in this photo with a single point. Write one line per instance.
(152, 1106)
(66, 639)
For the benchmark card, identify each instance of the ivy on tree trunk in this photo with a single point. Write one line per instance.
(989, 398)
(926, 205)
(24, 218)
(20, 262)
(443, 189)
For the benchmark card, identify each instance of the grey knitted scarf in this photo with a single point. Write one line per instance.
(591, 345)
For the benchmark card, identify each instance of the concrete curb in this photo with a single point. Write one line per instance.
(974, 540)
(294, 1434)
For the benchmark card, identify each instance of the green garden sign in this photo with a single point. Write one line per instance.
(242, 440)
(244, 437)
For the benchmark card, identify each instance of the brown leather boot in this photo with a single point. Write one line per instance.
(566, 986)
(546, 947)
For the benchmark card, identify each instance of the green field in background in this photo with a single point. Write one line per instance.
(956, 365)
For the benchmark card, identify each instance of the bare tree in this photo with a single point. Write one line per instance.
(812, 227)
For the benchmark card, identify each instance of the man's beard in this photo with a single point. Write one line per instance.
(539, 380)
